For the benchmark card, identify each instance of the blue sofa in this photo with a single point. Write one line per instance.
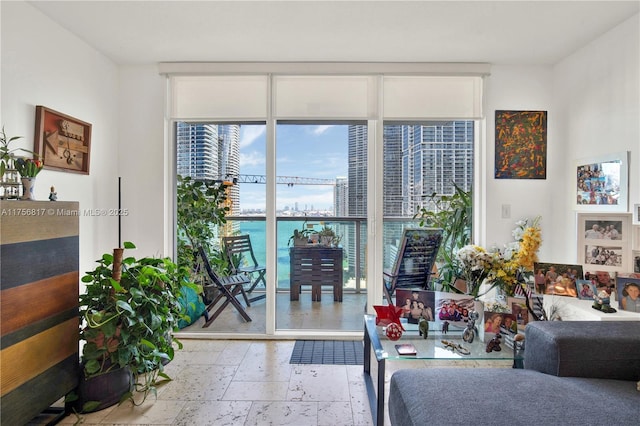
(575, 373)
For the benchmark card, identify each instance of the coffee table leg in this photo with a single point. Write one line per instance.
(376, 402)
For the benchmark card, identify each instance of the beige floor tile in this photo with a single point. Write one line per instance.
(151, 412)
(319, 383)
(257, 391)
(213, 413)
(198, 383)
(285, 413)
(336, 413)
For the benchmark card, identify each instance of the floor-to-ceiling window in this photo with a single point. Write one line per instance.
(370, 195)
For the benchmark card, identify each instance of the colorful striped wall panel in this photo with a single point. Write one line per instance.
(39, 281)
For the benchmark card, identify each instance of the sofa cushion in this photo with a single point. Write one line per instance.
(597, 349)
(495, 396)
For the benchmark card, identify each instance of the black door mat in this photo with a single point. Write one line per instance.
(341, 352)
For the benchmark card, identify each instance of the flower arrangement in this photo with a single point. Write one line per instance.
(510, 267)
(28, 167)
(502, 269)
(475, 265)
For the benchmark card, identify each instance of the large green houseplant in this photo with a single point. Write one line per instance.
(452, 213)
(127, 315)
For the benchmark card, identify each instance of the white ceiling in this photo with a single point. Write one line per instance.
(499, 32)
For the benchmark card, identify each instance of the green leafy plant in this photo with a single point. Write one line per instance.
(452, 213)
(7, 155)
(301, 236)
(200, 210)
(129, 322)
(329, 237)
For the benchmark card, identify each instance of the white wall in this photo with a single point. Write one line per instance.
(597, 97)
(519, 88)
(43, 64)
(141, 162)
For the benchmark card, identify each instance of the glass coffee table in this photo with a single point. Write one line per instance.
(437, 346)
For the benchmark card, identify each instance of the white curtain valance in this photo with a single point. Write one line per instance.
(432, 97)
(242, 97)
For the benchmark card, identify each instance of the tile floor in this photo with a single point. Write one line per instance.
(244, 382)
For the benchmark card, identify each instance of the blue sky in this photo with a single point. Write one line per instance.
(310, 151)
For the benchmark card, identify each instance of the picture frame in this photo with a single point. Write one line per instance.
(521, 144)
(635, 258)
(636, 214)
(602, 183)
(586, 289)
(626, 300)
(636, 237)
(61, 141)
(604, 241)
(560, 278)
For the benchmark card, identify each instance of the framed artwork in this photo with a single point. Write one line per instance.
(636, 214)
(628, 289)
(604, 241)
(521, 145)
(636, 261)
(62, 142)
(586, 289)
(601, 183)
(636, 237)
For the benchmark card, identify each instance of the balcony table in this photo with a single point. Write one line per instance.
(316, 266)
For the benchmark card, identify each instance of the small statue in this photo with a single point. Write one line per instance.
(53, 195)
(445, 327)
(469, 333)
(423, 327)
(602, 302)
(494, 344)
(518, 351)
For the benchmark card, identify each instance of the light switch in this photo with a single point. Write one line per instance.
(506, 211)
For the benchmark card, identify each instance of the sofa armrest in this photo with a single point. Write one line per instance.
(595, 349)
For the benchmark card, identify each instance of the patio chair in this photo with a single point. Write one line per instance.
(229, 288)
(414, 262)
(242, 260)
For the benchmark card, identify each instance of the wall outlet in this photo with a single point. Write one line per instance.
(506, 211)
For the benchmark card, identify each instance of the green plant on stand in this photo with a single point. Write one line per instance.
(127, 315)
(452, 213)
(328, 237)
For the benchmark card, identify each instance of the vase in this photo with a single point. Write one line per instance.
(28, 186)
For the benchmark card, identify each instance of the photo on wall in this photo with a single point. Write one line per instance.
(628, 290)
(601, 183)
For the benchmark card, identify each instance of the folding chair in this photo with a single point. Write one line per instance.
(414, 263)
(229, 287)
(242, 260)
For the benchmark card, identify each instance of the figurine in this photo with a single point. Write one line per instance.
(518, 351)
(469, 333)
(423, 327)
(445, 327)
(53, 195)
(602, 302)
(494, 344)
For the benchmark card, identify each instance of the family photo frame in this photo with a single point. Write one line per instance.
(602, 183)
(604, 241)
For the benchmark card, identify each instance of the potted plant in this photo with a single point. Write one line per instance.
(452, 213)
(127, 315)
(300, 237)
(328, 237)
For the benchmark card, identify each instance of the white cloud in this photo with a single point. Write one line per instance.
(250, 134)
(318, 130)
(253, 158)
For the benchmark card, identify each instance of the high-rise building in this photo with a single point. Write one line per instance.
(341, 197)
(210, 152)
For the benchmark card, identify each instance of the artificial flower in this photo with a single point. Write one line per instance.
(28, 167)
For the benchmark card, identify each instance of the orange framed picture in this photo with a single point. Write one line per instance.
(62, 142)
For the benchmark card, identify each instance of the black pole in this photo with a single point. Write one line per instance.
(119, 212)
